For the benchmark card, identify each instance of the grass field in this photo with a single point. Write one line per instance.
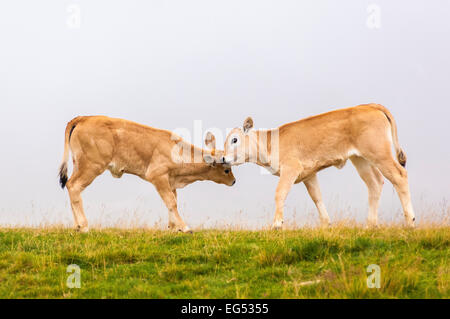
(306, 263)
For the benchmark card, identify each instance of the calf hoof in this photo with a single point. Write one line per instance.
(186, 230)
(411, 223)
(325, 224)
(371, 226)
(277, 225)
(182, 229)
(82, 229)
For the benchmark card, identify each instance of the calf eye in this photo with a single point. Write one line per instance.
(227, 171)
(234, 140)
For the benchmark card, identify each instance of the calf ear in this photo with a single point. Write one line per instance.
(210, 141)
(209, 159)
(248, 124)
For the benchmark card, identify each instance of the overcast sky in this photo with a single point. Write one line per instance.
(168, 63)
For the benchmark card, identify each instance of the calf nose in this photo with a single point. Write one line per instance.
(234, 182)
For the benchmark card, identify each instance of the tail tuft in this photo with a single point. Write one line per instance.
(401, 156)
(63, 175)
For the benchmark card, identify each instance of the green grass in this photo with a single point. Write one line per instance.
(225, 264)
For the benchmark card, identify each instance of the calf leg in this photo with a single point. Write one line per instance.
(174, 191)
(169, 197)
(312, 185)
(374, 182)
(81, 178)
(288, 175)
(397, 175)
(172, 218)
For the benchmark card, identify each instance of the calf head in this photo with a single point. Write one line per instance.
(239, 144)
(218, 171)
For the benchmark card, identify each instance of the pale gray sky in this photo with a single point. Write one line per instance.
(168, 63)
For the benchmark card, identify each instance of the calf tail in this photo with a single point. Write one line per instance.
(63, 168)
(401, 155)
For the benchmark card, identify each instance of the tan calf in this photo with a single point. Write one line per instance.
(99, 143)
(296, 151)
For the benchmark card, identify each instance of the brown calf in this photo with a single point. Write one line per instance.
(296, 151)
(99, 143)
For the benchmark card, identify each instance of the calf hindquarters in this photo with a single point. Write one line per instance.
(374, 146)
